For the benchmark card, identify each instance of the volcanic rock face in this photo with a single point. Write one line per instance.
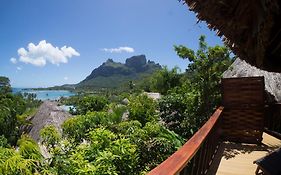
(114, 74)
(240, 68)
(137, 62)
(49, 113)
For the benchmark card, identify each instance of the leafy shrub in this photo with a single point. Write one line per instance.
(10, 106)
(77, 127)
(27, 160)
(50, 135)
(91, 104)
(154, 142)
(3, 142)
(142, 108)
(163, 80)
(188, 106)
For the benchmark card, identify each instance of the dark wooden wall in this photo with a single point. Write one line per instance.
(243, 116)
(272, 124)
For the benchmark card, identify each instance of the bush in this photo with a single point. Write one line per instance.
(154, 142)
(142, 108)
(90, 104)
(77, 127)
(50, 136)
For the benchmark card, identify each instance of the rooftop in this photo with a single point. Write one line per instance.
(250, 28)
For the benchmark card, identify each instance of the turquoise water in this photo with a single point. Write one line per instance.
(46, 94)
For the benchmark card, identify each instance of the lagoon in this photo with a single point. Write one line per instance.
(45, 94)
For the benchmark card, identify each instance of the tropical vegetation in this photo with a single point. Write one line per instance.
(116, 133)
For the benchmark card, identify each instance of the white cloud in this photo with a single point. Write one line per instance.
(14, 60)
(39, 55)
(65, 78)
(119, 50)
(19, 68)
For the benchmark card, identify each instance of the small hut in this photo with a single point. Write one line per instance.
(49, 113)
(272, 81)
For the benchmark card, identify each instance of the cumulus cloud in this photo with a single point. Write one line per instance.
(39, 55)
(19, 68)
(14, 60)
(65, 78)
(119, 50)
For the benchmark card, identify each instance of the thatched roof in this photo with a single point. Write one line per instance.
(251, 28)
(240, 68)
(49, 113)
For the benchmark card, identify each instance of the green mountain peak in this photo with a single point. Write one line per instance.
(113, 74)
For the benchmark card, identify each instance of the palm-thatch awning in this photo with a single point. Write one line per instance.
(251, 28)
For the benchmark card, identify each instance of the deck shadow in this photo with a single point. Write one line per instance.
(229, 153)
(233, 149)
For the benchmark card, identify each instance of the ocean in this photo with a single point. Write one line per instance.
(45, 94)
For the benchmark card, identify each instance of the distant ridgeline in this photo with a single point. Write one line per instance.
(112, 74)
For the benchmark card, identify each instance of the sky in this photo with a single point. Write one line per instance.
(55, 42)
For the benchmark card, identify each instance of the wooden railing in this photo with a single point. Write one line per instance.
(272, 123)
(196, 155)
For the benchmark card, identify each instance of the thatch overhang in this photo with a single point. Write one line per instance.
(251, 28)
(272, 80)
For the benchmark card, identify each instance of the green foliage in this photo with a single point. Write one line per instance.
(103, 152)
(116, 112)
(205, 72)
(77, 127)
(74, 128)
(3, 142)
(27, 160)
(123, 151)
(91, 103)
(22, 118)
(50, 136)
(160, 145)
(127, 156)
(12, 163)
(72, 100)
(61, 161)
(179, 112)
(28, 148)
(154, 142)
(142, 108)
(10, 107)
(163, 80)
(5, 86)
(99, 140)
(31, 101)
(107, 145)
(186, 107)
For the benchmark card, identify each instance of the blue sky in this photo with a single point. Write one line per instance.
(76, 36)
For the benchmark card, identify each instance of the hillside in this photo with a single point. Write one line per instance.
(113, 74)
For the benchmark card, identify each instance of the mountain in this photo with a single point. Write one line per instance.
(113, 74)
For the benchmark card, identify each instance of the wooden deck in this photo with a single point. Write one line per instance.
(237, 158)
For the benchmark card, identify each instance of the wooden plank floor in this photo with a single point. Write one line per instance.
(237, 158)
